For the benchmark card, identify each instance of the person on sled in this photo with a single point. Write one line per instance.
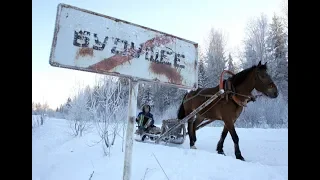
(145, 119)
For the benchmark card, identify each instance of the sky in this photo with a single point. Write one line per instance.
(189, 19)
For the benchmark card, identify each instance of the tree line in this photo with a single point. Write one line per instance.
(264, 41)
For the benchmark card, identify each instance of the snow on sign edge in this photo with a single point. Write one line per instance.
(116, 47)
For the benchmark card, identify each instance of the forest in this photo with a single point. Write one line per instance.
(265, 41)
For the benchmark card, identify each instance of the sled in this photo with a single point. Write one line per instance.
(176, 137)
(173, 130)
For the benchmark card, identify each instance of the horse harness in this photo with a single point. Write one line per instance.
(230, 93)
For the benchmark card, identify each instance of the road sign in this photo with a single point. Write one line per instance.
(88, 41)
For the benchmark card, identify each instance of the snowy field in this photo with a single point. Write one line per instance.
(58, 156)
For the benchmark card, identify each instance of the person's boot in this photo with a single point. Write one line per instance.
(143, 137)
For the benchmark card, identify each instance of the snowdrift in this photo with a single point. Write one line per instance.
(58, 155)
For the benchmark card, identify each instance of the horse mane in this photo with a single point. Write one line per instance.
(238, 78)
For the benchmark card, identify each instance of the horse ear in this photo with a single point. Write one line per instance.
(259, 63)
(265, 63)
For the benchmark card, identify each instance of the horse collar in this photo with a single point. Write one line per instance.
(239, 102)
(230, 89)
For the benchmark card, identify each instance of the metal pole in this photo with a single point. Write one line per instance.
(133, 94)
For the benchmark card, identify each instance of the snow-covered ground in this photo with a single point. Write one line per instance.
(58, 156)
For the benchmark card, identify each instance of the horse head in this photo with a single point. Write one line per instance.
(264, 82)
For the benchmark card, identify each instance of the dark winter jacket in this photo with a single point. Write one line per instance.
(149, 115)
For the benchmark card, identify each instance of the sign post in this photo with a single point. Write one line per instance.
(88, 41)
(133, 94)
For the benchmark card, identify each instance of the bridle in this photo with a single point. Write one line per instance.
(266, 85)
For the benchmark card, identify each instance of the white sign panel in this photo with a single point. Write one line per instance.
(93, 42)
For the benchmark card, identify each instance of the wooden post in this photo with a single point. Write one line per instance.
(133, 94)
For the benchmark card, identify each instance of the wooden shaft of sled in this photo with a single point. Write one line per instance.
(192, 114)
(133, 94)
(202, 125)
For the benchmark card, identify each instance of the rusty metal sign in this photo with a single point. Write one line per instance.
(88, 41)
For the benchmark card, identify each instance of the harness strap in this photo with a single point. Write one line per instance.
(230, 89)
(226, 88)
(239, 102)
(212, 106)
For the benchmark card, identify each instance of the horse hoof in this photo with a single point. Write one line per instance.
(193, 147)
(222, 153)
(241, 158)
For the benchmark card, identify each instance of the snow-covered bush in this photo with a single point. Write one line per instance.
(265, 113)
(109, 110)
(79, 115)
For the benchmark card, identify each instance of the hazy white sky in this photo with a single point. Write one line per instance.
(189, 19)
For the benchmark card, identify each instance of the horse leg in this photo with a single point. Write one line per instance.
(221, 141)
(235, 139)
(196, 123)
(191, 134)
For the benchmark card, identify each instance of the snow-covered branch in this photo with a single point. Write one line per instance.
(107, 108)
(79, 115)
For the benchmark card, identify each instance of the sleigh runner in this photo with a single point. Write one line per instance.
(177, 136)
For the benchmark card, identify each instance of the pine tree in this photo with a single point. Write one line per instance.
(231, 64)
(278, 55)
(68, 102)
(215, 57)
(147, 97)
(250, 56)
(61, 108)
(202, 76)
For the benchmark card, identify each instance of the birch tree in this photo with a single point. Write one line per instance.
(255, 41)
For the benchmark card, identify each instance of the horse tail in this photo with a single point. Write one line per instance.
(181, 111)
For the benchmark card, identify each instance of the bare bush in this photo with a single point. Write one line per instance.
(36, 121)
(79, 115)
(107, 109)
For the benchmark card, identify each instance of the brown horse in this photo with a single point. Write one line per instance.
(228, 106)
